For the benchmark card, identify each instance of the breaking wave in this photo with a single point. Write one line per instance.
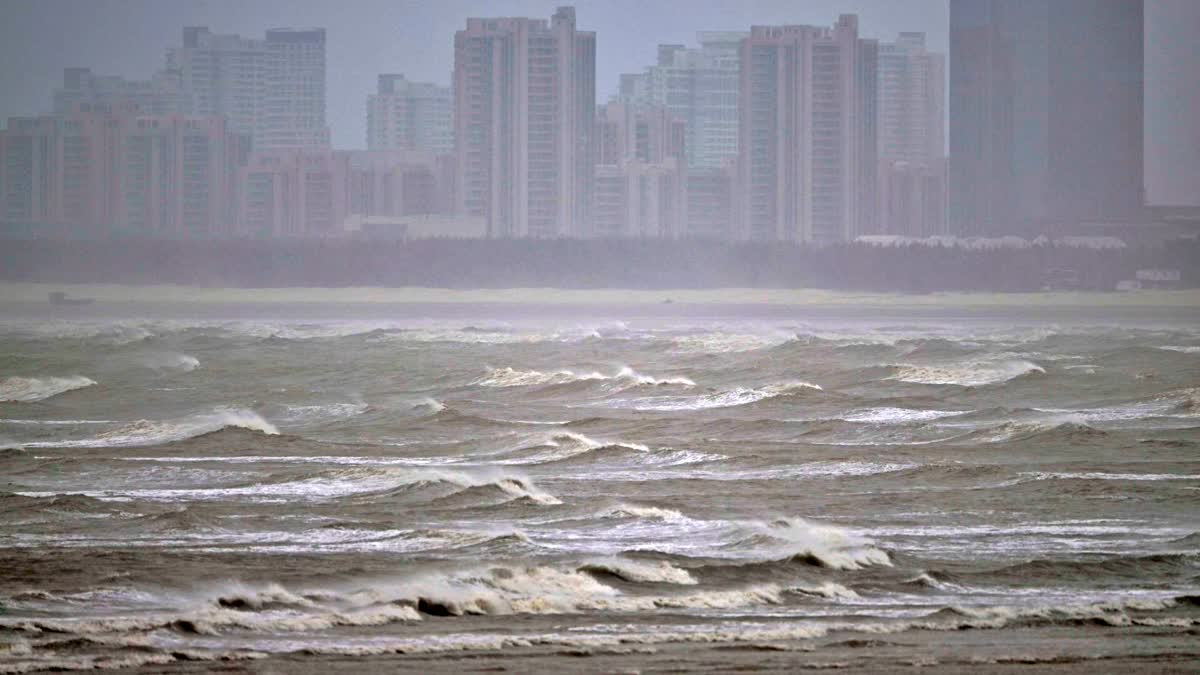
(1065, 432)
(640, 572)
(635, 511)
(30, 389)
(171, 361)
(566, 445)
(887, 415)
(389, 479)
(625, 377)
(147, 432)
(970, 374)
(724, 399)
(429, 405)
(817, 544)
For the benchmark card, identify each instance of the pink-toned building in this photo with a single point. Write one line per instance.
(399, 183)
(807, 153)
(525, 92)
(294, 193)
(639, 182)
(98, 170)
(312, 193)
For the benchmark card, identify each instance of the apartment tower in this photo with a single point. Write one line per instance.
(524, 107)
(807, 156)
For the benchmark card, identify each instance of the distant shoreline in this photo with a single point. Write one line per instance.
(23, 293)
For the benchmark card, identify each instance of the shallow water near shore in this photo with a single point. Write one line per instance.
(346, 483)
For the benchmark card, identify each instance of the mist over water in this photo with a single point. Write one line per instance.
(456, 481)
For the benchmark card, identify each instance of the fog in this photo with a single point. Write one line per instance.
(129, 37)
(932, 130)
(623, 336)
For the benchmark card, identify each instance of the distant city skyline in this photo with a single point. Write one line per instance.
(130, 38)
(787, 131)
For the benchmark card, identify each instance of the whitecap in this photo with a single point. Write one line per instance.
(149, 432)
(171, 361)
(722, 399)
(888, 415)
(30, 389)
(970, 374)
(640, 572)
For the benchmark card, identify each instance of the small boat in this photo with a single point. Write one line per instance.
(60, 298)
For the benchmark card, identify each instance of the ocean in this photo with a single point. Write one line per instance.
(595, 487)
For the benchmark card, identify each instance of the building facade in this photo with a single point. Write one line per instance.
(319, 193)
(404, 115)
(294, 193)
(99, 171)
(1173, 108)
(293, 115)
(912, 101)
(710, 202)
(640, 180)
(912, 198)
(226, 75)
(808, 159)
(525, 98)
(698, 86)
(271, 89)
(162, 95)
(912, 131)
(1046, 114)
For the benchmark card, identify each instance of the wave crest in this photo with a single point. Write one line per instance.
(823, 545)
(149, 432)
(624, 378)
(728, 398)
(970, 374)
(30, 389)
(640, 572)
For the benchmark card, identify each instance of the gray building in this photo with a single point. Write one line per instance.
(272, 89)
(405, 115)
(161, 95)
(698, 86)
(912, 101)
(1045, 114)
(1173, 108)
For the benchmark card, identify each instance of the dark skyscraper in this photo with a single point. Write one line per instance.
(1045, 113)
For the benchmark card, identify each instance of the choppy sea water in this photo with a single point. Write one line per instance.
(483, 480)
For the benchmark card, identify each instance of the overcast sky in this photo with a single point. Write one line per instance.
(38, 38)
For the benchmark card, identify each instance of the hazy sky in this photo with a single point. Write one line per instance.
(38, 38)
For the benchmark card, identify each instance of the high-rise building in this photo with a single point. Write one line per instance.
(162, 95)
(98, 169)
(294, 101)
(698, 86)
(710, 202)
(1045, 113)
(640, 176)
(320, 193)
(912, 131)
(647, 134)
(525, 99)
(294, 193)
(807, 160)
(397, 183)
(272, 89)
(1173, 107)
(912, 198)
(226, 75)
(404, 115)
(912, 101)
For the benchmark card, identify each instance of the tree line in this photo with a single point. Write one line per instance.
(592, 263)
